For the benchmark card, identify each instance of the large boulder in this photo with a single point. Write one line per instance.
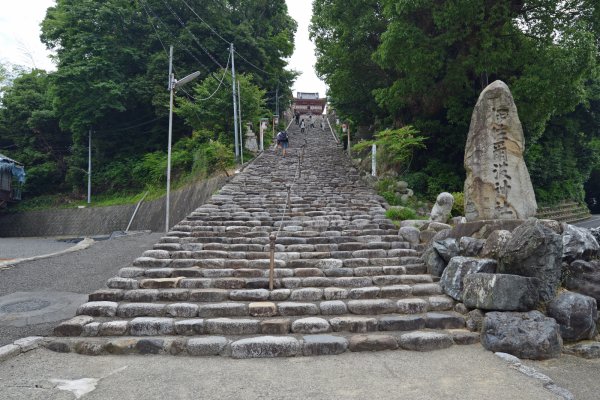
(409, 234)
(525, 335)
(446, 248)
(497, 185)
(494, 243)
(442, 207)
(596, 233)
(584, 277)
(470, 247)
(578, 244)
(576, 314)
(433, 261)
(458, 268)
(500, 292)
(534, 250)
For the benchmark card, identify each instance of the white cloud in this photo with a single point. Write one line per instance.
(304, 57)
(20, 33)
(20, 39)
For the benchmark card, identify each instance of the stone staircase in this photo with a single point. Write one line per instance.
(569, 212)
(343, 280)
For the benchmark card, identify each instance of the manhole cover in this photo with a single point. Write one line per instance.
(24, 306)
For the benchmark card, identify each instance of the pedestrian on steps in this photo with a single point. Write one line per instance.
(282, 141)
(302, 126)
(322, 123)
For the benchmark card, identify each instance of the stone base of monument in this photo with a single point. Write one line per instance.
(534, 259)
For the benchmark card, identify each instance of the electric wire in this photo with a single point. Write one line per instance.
(220, 83)
(128, 127)
(205, 23)
(182, 23)
(223, 39)
(174, 38)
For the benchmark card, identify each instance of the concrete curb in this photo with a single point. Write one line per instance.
(84, 244)
(20, 346)
(546, 381)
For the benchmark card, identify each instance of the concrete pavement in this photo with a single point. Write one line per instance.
(459, 372)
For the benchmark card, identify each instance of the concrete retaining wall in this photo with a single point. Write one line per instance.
(104, 220)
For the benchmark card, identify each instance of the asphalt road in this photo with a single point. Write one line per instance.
(593, 222)
(80, 272)
(11, 248)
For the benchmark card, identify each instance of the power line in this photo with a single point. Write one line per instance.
(128, 127)
(205, 23)
(192, 34)
(183, 47)
(223, 39)
(220, 83)
(258, 68)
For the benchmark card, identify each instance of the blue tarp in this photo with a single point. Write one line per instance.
(13, 166)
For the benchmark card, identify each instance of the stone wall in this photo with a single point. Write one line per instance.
(104, 220)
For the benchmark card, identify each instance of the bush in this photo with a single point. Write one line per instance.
(401, 213)
(458, 208)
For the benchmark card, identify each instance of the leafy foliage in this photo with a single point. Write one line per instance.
(111, 79)
(394, 147)
(400, 213)
(425, 62)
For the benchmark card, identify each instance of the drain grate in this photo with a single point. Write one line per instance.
(24, 306)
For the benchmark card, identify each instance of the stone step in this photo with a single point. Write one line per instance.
(293, 256)
(423, 280)
(239, 325)
(203, 304)
(264, 346)
(317, 270)
(398, 290)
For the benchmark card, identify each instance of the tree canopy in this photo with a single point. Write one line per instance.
(111, 78)
(425, 62)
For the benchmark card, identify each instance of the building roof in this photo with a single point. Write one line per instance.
(14, 167)
(308, 96)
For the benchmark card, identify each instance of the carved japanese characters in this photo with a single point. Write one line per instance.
(497, 184)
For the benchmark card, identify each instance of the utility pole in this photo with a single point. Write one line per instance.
(235, 123)
(277, 100)
(171, 81)
(173, 85)
(241, 130)
(89, 199)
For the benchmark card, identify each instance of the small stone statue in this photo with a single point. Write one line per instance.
(442, 208)
(251, 143)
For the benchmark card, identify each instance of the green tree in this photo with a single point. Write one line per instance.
(437, 56)
(216, 115)
(346, 33)
(30, 132)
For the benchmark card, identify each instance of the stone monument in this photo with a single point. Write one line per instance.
(251, 143)
(497, 184)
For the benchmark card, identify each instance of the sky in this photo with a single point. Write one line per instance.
(20, 43)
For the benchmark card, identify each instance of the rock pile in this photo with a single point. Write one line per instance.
(509, 275)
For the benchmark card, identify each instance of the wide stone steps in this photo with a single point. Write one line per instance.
(130, 323)
(197, 272)
(396, 291)
(265, 346)
(343, 279)
(178, 242)
(263, 283)
(258, 309)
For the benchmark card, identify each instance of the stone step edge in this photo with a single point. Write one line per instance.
(263, 346)
(87, 326)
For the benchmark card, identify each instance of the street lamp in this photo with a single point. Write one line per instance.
(173, 85)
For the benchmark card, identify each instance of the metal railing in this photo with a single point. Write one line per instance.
(286, 206)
